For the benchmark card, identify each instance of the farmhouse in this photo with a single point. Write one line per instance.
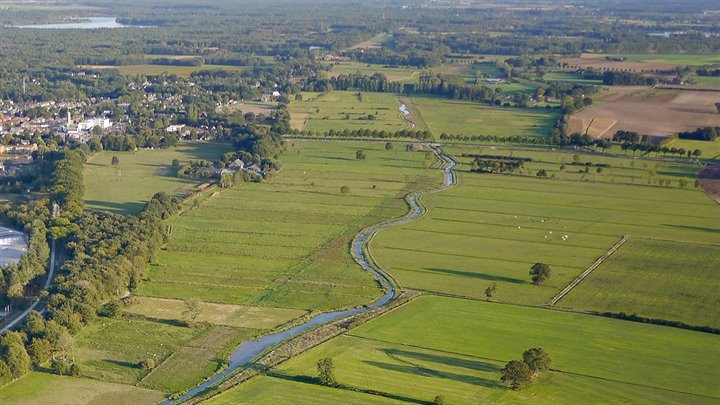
(237, 164)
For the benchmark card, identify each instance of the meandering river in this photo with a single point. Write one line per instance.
(251, 349)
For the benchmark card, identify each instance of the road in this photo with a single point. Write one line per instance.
(19, 318)
(251, 349)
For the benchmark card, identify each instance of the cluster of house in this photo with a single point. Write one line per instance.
(237, 165)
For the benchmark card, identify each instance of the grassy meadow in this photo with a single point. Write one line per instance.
(44, 388)
(655, 279)
(341, 110)
(472, 118)
(126, 188)
(465, 343)
(569, 77)
(710, 149)
(284, 243)
(152, 70)
(492, 228)
(396, 74)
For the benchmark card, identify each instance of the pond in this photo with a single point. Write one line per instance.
(82, 24)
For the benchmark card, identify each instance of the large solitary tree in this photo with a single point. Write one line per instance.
(537, 359)
(517, 374)
(539, 273)
(326, 372)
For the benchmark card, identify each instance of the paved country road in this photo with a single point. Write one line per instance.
(251, 349)
(36, 304)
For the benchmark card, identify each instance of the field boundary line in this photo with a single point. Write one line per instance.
(589, 270)
(155, 368)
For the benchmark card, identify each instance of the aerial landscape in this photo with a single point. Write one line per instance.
(337, 202)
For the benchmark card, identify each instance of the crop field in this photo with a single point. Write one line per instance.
(141, 174)
(647, 111)
(341, 110)
(44, 388)
(655, 279)
(284, 243)
(465, 343)
(492, 228)
(707, 81)
(472, 118)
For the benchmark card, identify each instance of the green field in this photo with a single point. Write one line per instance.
(277, 391)
(472, 118)
(464, 344)
(492, 228)
(182, 71)
(396, 74)
(284, 243)
(569, 77)
(42, 388)
(655, 279)
(680, 59)
(341, 110)
(141, 174)
(707, 81)
(710, 150)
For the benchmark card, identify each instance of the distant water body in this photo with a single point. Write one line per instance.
(85, 24)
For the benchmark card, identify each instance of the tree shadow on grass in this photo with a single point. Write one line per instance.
(131, 207)
(120, 363)
(447, 360)
(694, 228)
(428, 372)
(482, 276)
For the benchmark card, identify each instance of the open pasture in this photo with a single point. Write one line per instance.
(284, 243)
(278, 391)
(492, 228)
(655, 279)
(42, 388)
(465, 343)
(472, 118)
(647, 111)
(149, 69)
(569, 77)
(396, 74)
(341, 110)
(710, 149)
(216, 314)
(640, 62)
(126, 188)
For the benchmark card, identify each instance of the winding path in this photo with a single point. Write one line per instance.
(251, 349)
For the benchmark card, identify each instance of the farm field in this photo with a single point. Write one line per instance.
(647, 111)
(492, 228)
(569, 77)
(472, 118)
(399, 74)
(278, 391)
(44, 388)
(640, 62)
(710, 150)
(283, 243)
(655, 279)
(141, 174)
(149, 69)
(322, 112)
(465, 343)
(707, 81)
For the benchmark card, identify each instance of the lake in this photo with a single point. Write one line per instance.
(84, 24)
